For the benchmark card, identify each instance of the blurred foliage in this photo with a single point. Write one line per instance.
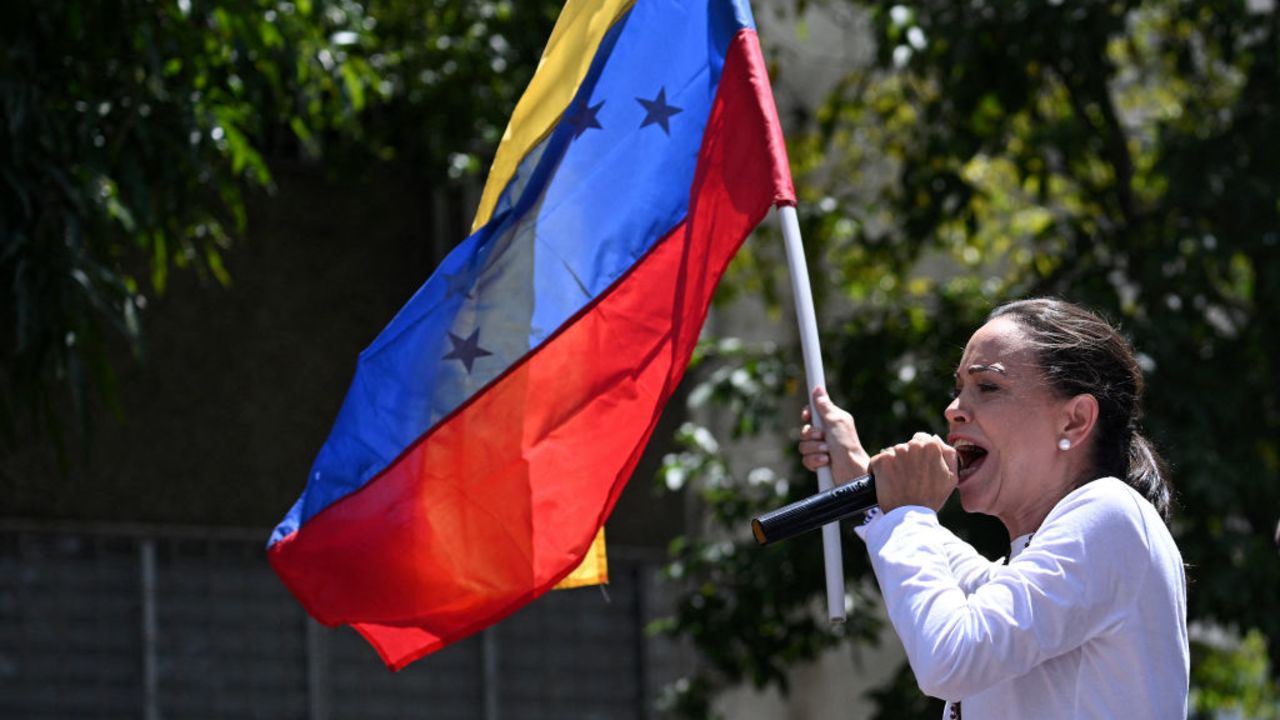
(1118, 154)
(454, 71)
(1229, 678)
(132, 133)
(901, 698)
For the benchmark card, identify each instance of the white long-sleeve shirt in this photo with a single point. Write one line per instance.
(1088, 620)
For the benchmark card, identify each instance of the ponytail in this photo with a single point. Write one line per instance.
(1149, 475)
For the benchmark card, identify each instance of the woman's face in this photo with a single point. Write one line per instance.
(1004, 424)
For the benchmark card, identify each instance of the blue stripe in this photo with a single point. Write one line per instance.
(580, 211)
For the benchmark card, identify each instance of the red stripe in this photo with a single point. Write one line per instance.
(503, 500)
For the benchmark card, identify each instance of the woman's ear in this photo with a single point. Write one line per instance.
(1079, 416)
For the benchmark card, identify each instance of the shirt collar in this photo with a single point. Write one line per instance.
(1019, 544)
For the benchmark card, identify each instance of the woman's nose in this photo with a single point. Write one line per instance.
(955, 414)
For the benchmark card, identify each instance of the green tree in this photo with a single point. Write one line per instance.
(133, 133)
(1120, 154)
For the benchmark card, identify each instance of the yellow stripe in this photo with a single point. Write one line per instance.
(565, 61)
(594, 569)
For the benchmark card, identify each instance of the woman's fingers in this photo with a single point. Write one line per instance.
(920, 471)
(808, 447)
(815, 461)
(809, 432)
(843, 450)
(949, 456)
(814, 453)
(827, 410)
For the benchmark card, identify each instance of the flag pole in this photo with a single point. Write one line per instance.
(815, 376)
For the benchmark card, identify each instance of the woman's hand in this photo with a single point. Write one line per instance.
(921, 471)
(836, 444)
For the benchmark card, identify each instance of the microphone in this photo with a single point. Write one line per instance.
(815, 511)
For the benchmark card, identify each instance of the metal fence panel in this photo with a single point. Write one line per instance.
(445, 685)
(230, 641)
(70, 644)
(573, 655)
(193, 625)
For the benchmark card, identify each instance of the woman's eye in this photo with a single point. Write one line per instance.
(988, 387)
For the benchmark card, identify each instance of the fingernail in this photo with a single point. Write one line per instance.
(823, 447)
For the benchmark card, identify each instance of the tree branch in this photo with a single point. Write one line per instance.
(1116, 147)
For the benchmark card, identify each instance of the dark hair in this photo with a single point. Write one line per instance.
(1080, 353)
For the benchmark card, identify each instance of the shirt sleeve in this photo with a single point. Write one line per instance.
(968, 566)
(1073, 583)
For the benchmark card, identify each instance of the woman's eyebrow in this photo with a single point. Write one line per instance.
(980, 368)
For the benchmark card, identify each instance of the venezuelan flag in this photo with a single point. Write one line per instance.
(492, 425)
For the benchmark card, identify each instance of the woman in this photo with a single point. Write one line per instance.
(1086, 618)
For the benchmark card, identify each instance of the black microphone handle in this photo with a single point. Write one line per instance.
(815, 511)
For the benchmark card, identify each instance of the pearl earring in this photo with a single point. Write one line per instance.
(1064, 444)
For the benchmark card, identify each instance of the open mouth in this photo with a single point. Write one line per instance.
(969, 458)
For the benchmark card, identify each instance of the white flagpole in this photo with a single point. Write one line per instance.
(815, 376)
